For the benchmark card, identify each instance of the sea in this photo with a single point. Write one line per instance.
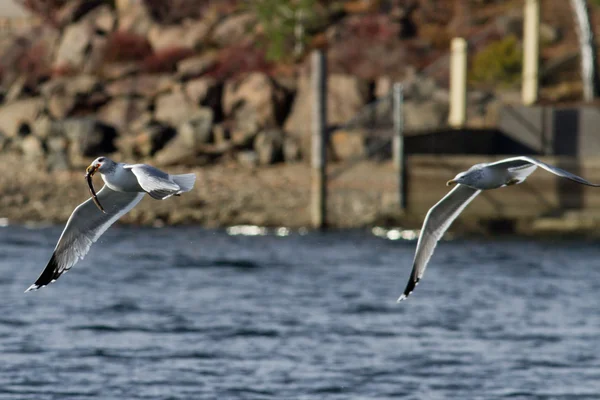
(253, 313)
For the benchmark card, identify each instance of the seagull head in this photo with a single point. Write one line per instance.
(100, 164)
(459, 178)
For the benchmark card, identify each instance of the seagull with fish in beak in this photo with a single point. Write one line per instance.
(124, 187)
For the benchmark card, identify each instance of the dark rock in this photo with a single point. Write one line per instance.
(151, 139)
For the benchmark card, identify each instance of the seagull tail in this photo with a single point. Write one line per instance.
(185, 181)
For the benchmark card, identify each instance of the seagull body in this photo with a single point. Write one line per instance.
(125, 185)
(469, 184)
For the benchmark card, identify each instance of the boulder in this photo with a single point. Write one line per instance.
(195, 66)
(120, 112)
(58, 157)
(346, 96)
(347, 144)
(32, 148)
(134, 17)
(145, 85)
(244, 127)
(81, 43)
(150, 139)
(61, 104)
(247, 158)
(291, 149)
(14, 116)
(80, 84)
(205, 91)
(197, 130)
(234, 29)
(268, 146)
(190, 34)
(88, 137)
(424, 115)
(259, 93)
(173, 107)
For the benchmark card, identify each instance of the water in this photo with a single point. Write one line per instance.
(184, 313)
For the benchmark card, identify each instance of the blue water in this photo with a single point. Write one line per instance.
(186, 313)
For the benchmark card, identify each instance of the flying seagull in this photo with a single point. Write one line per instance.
(124, 187)
(486, 176)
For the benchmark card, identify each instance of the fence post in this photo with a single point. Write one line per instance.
(319, 137)
(398, 143)
(531, 39)
(458, 83)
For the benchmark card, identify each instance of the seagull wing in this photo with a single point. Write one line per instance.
(438, 220)
(157, 183)
(523, 162)
(85, 225)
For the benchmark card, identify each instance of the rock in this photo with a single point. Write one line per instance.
(173, 108)
(72, 86)
(423, 115)
(42, 127)
(234, 29)
(258, 92)
(119, 70)
(151, 139)
(134, 17)
(291, 149)
(174, 153)
(32, 148)
(247, 158)
(14, 116)
(205, 92)
(346, 96)
(57, 158)
(122, 111)
(195, 66)
(145, 85)
(73, 11)
(60, 105)
(347, 144)
(189, 34)
(74, 46)
(88, 137)
(268, 146)
(245, 127)
(197, 130)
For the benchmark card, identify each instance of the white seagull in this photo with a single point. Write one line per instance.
(125, 185)
(486, 176)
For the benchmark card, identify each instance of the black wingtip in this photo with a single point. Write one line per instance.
(49, 274)
(412, 283)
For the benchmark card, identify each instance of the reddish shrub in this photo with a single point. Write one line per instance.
(165, 60)
(126, 46)
(239, 59)
(63, 70)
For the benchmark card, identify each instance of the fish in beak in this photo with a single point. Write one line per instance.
(451, 182)
(89, 172)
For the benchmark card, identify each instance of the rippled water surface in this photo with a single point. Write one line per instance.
(186, 313)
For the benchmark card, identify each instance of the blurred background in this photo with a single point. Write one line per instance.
(299, 115)
(228, 88)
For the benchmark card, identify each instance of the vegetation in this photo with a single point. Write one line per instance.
(500, 63)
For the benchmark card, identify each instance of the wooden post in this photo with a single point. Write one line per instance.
(458, 83)
(398, 143)
(319, 133)
(531, 40)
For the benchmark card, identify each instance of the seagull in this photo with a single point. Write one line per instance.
(124, 187)
(485, 176)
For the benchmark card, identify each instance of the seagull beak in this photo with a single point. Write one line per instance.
(89, 172)
(451, 182)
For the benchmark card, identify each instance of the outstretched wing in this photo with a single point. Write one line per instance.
(157, 183)
(85, 225)
(438, 220)
(516, 163)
